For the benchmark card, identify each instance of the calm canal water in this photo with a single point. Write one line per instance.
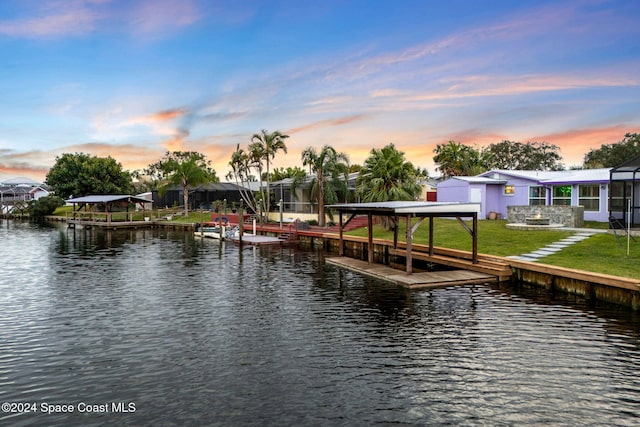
(154, 327)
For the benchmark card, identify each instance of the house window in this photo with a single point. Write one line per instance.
(537, 196)
(509, 190)
(561, 195)
(589, 197)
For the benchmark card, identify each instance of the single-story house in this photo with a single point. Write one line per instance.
(497, 189)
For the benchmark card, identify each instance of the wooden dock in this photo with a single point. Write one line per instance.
(418, 280)
(73, 223)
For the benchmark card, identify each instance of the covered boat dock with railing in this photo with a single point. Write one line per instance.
(99, 210)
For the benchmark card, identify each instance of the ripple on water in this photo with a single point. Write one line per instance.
(192, 332)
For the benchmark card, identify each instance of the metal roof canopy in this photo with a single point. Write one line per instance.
(409, 210)
(108, 198)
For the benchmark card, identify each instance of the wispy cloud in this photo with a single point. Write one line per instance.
(161, 16)
(32, 164)
(63, 18)
(54, 19)
(327, 123)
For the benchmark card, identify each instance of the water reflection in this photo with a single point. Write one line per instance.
(195, 332)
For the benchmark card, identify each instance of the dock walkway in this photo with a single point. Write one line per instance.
(417, 280)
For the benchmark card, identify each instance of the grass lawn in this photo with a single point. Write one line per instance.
(600, 253)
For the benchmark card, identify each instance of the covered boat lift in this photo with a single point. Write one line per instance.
(410, 210)
(108, 201)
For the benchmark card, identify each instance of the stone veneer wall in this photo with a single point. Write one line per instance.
(569, 216)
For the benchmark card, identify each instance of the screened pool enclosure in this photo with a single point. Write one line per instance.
(624, 194)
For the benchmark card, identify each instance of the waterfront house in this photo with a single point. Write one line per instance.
(495, 190)
(19, 191)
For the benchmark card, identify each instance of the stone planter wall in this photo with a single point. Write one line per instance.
(569, 216)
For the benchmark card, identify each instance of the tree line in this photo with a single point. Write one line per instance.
(385, 175)
(454, 158)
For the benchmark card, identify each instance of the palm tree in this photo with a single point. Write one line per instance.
(387, 176)
(325, 165)
(240, 172)
(185, 168)
(264, 146)
(456, 159)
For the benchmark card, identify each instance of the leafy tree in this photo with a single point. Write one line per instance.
(44, 206)
(612, 155)
(282, 173)
(184, 168)
(81, 174)
(264, 146)
(512, 155)
(387, 175)
(330, 171)
(455, 159)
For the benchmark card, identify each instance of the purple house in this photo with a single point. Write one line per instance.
(497, 189)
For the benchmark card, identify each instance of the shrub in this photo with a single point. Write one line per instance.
(45, 206)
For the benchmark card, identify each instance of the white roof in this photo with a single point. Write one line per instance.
(108, 198)
(578, 175)
(20, 180)
(480, 179)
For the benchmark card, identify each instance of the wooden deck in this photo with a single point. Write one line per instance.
(453, 258)
(72, 223)
(432, 279)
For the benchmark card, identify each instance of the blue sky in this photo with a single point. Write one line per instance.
(133, 79)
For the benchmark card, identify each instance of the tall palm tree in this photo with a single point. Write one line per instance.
(386, 175)
(264, 146)
(241, 165)
(449, 158)
(327, 167)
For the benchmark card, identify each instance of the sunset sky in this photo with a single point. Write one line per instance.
(132, 79)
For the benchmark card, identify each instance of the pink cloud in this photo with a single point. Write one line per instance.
(166, 115)
(326, 123)
(575, 143)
